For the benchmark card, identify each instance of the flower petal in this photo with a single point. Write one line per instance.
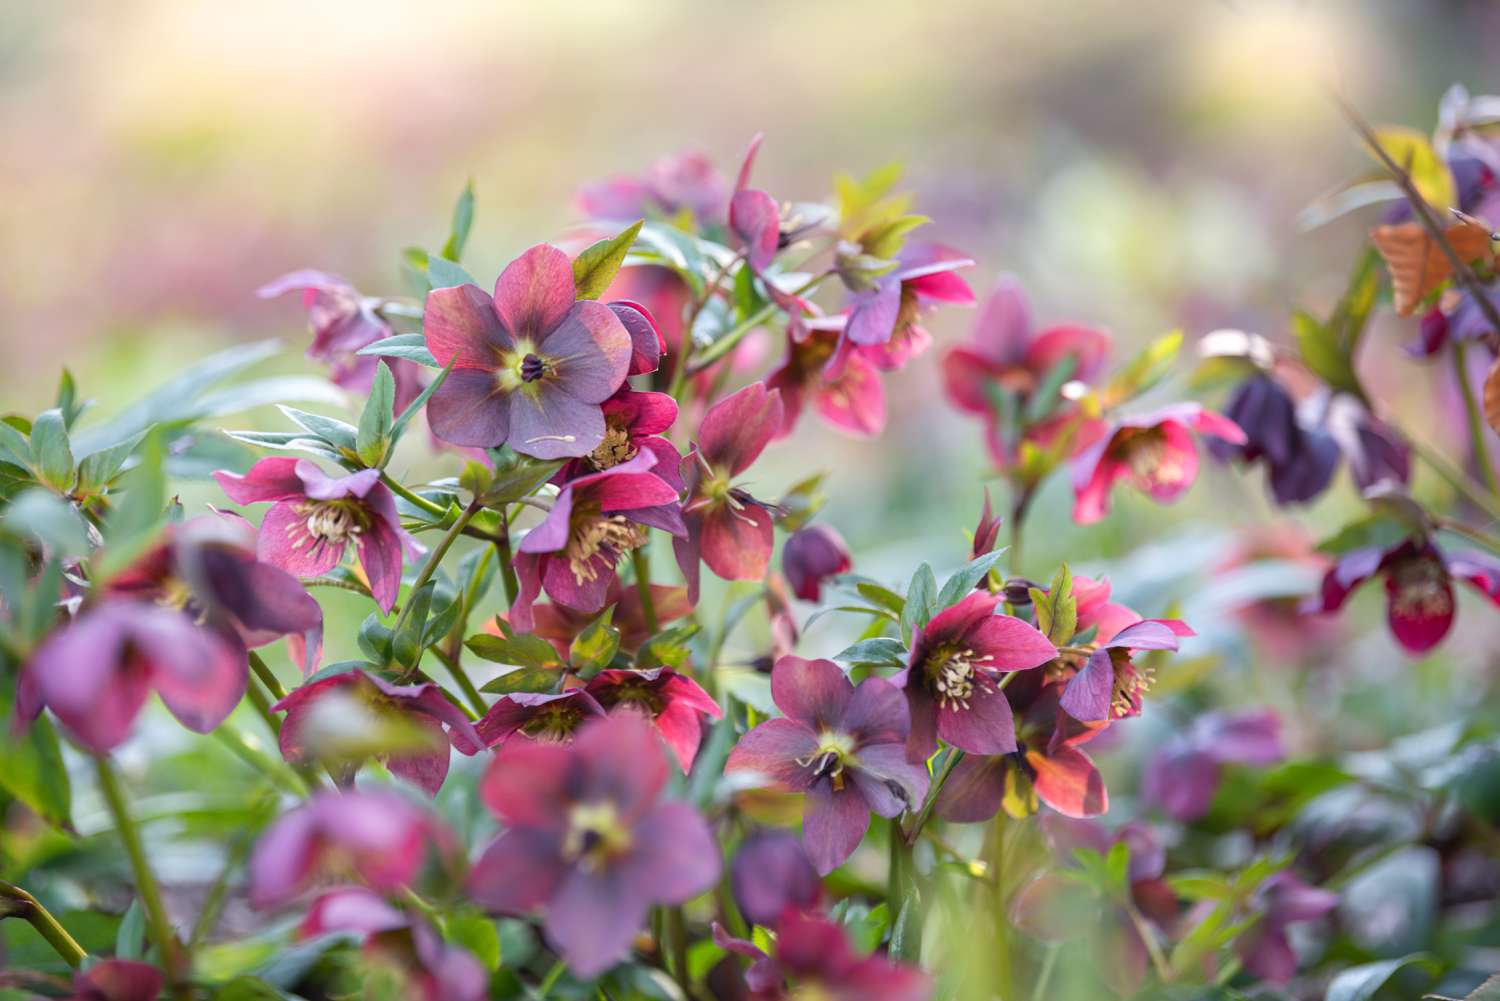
(535, 292)
(461, 326)
(814, 693)
(469, 409)
(590, 351)
(772, 749)
(737, 429)
(833, 825)
(547, 422)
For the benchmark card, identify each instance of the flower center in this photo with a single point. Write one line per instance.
(591, 535)
(1151, 461)
(595, 835)
(827, 761)
(952, 672)
(328, 523)
(1421, 589)
(615, 448)
(636, 696)
(552, 724)
(1131, 682)
(532, 368)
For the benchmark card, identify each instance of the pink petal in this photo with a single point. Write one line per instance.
(814, 693)
(772, 749)
(535, 292)
(469, 409)
(284, 542)
(461, 326)
(590, 350)
(1067, 781)
(549, 423)
(737, 429)
(737, 545)
(269, 479)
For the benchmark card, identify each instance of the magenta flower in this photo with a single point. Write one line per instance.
(754, 217)
(771, 873)
(530, 365)
(727, 528)
(1097, 612)
(1283, 900)
(810, 556)
(559, 624)
(647, 344)
(844, 747)
(672, 703)
(1418, 586)
(1183, 775)
(595, 520)
(676, 183)
(422, 705)
(815, 959)
(633, 422)
(925, 274)
(836, 377)
(343, 321)
(587, 839)
(661, 294)
(314, 517)
(545, 717)
(986, 532)
(1110, 685)
(1154, 451)
(952, 677)
(381, 838)
(117, 980)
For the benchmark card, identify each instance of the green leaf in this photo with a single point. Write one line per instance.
(372, 440)
(42, 515)
(67, 398)
(520, 480)
(1487, 991)
(14, 447)
(881, 651)
(132, 524)
(1063, 620)
(921, 597)
(801, 501)
(524, 679)
(1322, 353)
(878, 594)
(1361, 983)
(479, 935)
(32, 769)
(595, 647)
(1413, 152)
(411, 347)
(443, 273)
(957, 587)
(342, 436)
(51, 456)
(406, 645)
(415, 406)
(668, 648)
(130, 938)
(522, 649)
(595, 268)
(1147, 368)
(96, 471)
(463, 221)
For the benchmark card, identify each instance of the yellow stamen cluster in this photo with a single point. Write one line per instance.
(595, 835)
(1131, 682)
(1151, 462)
(328, 523)
(951, 672)
(1421, 589)
(598, 535)
(833, 752)
(614, 449)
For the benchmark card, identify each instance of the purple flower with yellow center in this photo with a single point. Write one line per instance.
(727, 528)
(953, 676)
(315, 517)
(422, 706)
(843, 746)
(1110, 684)
(588, 840)
(1183, 776)
(673, 703)
(810, 556)
(1418, 585)
(530, 364)
(545, 717)
(594, 521)
(1155, 451)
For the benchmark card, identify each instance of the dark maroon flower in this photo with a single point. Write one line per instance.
(530, 365)
(810, 556)
(587, 839)
(1418, 587)
(754, 217)
(814, 959)
(595, 520)
(547, 717)
(845, 747)
(381, 838)
(633, 422)
(421, 706)
(952, 677)
(727, 528)
(1110, 684)
(676, 183)
(1183, 775)
(924, 274)
(836, 377)
(117, 980)
(1300, 460)
(673, 703)
(1155, 451)
(1282, 900)
(314, 517)
(770, 873)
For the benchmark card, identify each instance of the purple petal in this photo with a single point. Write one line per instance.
(285, 542)
(547, 422)
(676, 856)
(833, 825)
(814, 693)
(535, 292)
(590, 351)
(269, 479)
(380, 556)
(1089, 693)
(973, 791)
(772, 872)
(876, 713)
(888, 782)
(987, 726)
(593, 919)
(873, 316)
(469, 409)
(518, 872)
(772, 749)
(461, 326)
(737, 429)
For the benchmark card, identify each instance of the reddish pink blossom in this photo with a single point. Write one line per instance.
(661, 293)
(587, 839)
(987, 532)
(545, 717)
(1097, 612)
(342, 320)
(836, 377)
(117, 980)
(810, 556)
(633, 422)
(1110, 684)
(647, 345)
(673, 703)
(754, 217)
(815, 959)
(676, 183)
(1155, 451)
(925, 274)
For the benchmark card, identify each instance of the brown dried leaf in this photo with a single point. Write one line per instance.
(1492, 396)
(1418, 265)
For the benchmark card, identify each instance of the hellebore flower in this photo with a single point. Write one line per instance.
(1183, 775)
(595, 520)
(422, 706)
(379, 837)
(647, 344)
(810, 556)
(661, 294)
(559, 624)
(545, 717)
(672, 703)
(754, 218)
(314, 517)
(1300, 461)
(842, 383)
(1265, 950)
(587, 839)
(1008, 362)
(117, 980)
(727, 528)
(633, 422)
(815, 959)
(530, 365)
(770, 873)
(1376, 451)
(986, 533)
(1155, 451)
(342, 320)
(1110, 684)
(96, 671)
(923, 275)
(843, 746)
(952, 677)
(1418, 587)
(1097, 612)
(674, 184)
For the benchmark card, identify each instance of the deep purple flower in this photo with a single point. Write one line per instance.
(530, 364)
(952, 677)
(314, 517)
(1376, 452)
(1154, 451)
(770, 873)
(1418, 586)
(1300, 460)
(380, 838)
(810, 556)
(420, 706)
(117, 980)
(633, 422)
(815, 959)
(1110, 684)
(546, 717)
(594, 521)
(1283, 900)
(924, 274)
(845, 747)
(1183, 775)
(727, 528)
(672, 703)
(587, 839)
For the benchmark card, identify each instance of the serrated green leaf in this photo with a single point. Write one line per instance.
(595, 646)
(668, 648)
(524, 679)
(372, 440)
(1042, 607)
(595, 268)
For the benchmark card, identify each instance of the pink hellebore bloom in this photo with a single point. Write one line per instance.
(815, 959)
(647, 344)
(727, 528)
(1110, 685)
(1183, 775)
(594, 521)
(117, 980)
(343, 321)
(587, 839)
(379, 837)
(672, 703)
(924, 275)
(845, 747)
(754, 218)
(952, 678)
(633, 423)
(673, 184)
(810, 556)
(544, 717)
(315, 517)
(530, 365)
(1154, 451)
(835, 377)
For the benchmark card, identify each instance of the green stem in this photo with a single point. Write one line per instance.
(1018, 511)
(455, 668)
(901, 895)
(167, 946)
(674, 931)
(550, 980)
(642, 562)
(298, 783)
(17, 903)
(507, 572)
(1049, 962)
(925, 814)
(680, 369)
(1478, 538)
(412, 498)
(726, 344)
(1148, 937)
(434, 558)
(257, 698)
(266, 676)
(1477, 429)
(1456, 477)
